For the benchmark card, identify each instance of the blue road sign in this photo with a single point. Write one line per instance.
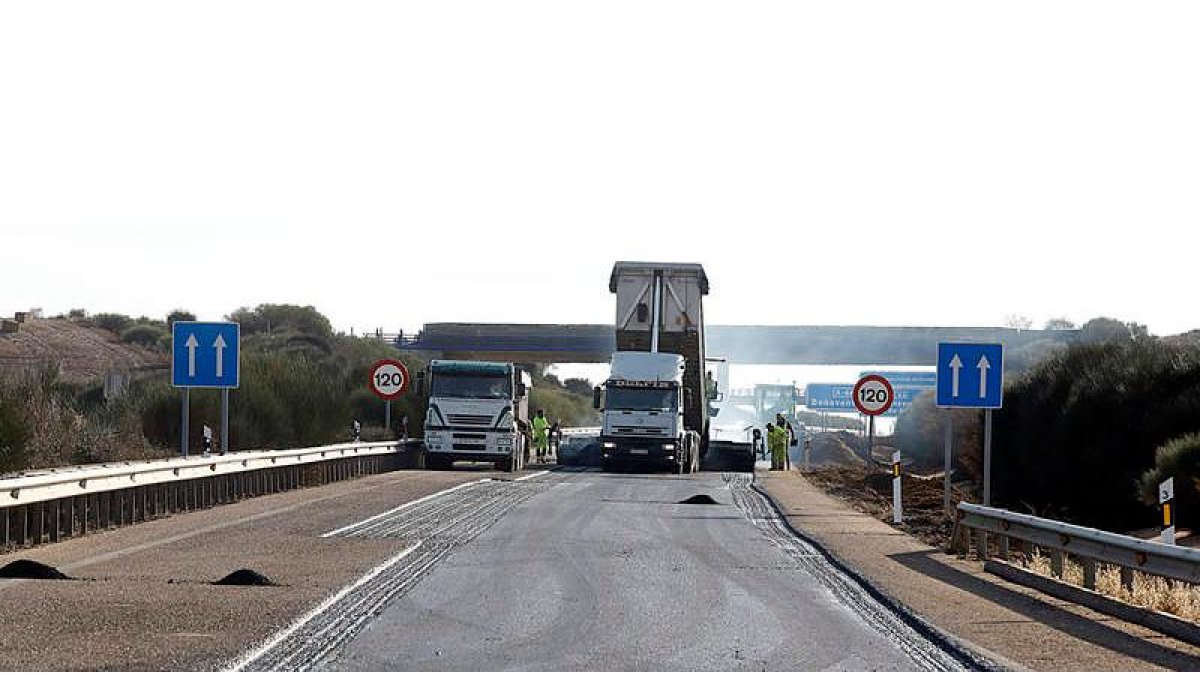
(920, 379)
(970, 375)
(839, 398)
(830, 398)
(205, 354)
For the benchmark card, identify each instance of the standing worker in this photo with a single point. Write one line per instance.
(777, 442)
(541, 436)
(782, 423)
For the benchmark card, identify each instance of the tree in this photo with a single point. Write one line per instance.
(1018, 321)
(1104, 329)
(179, 315)
(1060, 323)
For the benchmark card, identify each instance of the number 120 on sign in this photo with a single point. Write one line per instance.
(873, 395)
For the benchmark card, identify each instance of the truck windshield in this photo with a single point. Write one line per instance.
(450, 385)
(626, 398)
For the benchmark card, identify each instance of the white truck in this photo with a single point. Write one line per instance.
(478, 411)
(643, 415)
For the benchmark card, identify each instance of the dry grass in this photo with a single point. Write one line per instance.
(1165, 595)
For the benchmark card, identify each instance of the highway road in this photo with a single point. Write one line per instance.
(584, 570)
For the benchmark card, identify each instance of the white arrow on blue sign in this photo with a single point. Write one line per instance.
(205, 354)
(970, 375)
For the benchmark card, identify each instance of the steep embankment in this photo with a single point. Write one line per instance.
(83, 353)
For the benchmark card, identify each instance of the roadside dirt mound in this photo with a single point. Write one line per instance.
(82, 353)
(30, 569)
(836, 448)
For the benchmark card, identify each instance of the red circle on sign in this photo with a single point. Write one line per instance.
(389, 379)
(874, 407)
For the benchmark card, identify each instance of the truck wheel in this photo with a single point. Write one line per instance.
(436, 463)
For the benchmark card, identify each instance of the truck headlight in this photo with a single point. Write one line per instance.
(609, 445)
(668, 446)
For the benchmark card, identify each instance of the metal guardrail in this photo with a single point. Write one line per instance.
(51, 505)
(1089, 546)
(72, 481)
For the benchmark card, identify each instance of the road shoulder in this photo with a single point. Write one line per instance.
(1016, 627)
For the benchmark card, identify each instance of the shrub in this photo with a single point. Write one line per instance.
(179, 315)
(143, 334)
(115, 323)
(1178, 458)
(1079, 430)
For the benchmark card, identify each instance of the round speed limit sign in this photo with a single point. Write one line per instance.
(873, 395)
(389, 379)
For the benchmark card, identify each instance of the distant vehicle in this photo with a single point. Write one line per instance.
(579, 447)
(478, 411)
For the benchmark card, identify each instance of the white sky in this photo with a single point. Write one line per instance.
(394, 163)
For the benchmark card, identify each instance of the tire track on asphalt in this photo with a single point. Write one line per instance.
(849, 591)
(437, 527)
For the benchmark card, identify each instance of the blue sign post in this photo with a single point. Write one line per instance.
(971, 375)
(205, 355)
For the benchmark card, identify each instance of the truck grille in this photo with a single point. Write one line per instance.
(469, 447)
(641, 431)
(470, 420)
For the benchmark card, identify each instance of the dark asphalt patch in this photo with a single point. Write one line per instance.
(704, 500)
(30, 569)
(244, 578)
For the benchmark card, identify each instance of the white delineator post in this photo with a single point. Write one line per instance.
(897, 511)
(1166, 498)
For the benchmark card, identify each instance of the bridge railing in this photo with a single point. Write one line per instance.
(1088, 546)
(50, 505)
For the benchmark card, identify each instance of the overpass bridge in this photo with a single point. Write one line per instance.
(807, 345)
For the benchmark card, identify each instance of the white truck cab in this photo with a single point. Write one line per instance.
(642, 418)
(478, 411)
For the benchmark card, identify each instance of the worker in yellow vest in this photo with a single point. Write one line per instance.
(777, 440)
(541, 434)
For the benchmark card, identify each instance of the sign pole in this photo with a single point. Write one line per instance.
(224, 421)
(387, 415)
(946, 464)
(183, 433)
(870, 437)
(987, 457)
(897, 512)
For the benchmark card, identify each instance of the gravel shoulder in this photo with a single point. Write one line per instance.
(1017, 627)
(141, 597)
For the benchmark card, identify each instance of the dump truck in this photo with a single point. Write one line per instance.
(478, 411)
(660, 315)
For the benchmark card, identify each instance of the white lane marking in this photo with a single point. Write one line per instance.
(532, 475)
(385, 514)
(299, 623)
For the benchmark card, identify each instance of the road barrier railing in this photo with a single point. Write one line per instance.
(1090, 547)
(55, 504)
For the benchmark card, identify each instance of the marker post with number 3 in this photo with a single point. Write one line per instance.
(873, 395)
(389, 381)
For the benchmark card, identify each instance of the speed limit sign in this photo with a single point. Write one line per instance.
(389, 379)
(873, 395)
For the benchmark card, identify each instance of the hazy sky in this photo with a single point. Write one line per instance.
(394, 163)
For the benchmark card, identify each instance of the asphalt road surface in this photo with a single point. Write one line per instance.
(595, 571)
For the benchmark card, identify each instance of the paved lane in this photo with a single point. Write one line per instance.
(609, 572)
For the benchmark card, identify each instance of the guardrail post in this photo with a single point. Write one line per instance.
(1089, 573)
(1002, 540)
(981, 543)
(1056, 563)
(1127, 579)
